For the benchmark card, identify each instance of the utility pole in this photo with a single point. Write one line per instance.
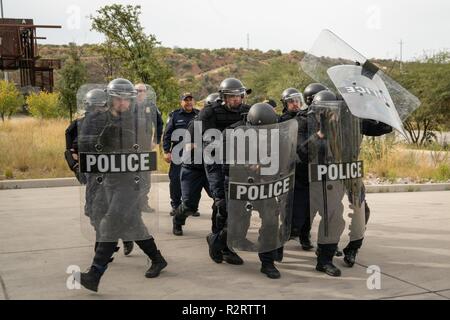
(401, 55)
(248, 41)
(4, 72)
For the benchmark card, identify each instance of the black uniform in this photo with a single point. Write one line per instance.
(218, 116)
(71, 135)
(193, 179)
(287, 115)
(301, 225)
(178, 119)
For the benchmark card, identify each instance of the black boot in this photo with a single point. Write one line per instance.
(325, 256)
(350, 252)
(177, 229)
(232, 257)
(215, 254)
(329, 268)
(158, 263)
(179, 220)
(103, 255)
(270, 270)
(91, 279)
(196, 214)
(128, 247)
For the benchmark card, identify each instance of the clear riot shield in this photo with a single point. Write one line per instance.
(116, 159)
(261, 186)
(147, 101)
(335, 171)
(367, 90)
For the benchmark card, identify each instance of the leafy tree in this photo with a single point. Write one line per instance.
(110, 60)
(136, 50)
(44, 105)
(10, 99)
(430, 82)
(73, 76)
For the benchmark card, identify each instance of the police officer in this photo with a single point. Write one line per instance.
(220, 115)
(193, 179)
(95, 101)
(326, 252)
(261, 114)
(311, 90)
(295, 106)
(178, 119)
(369, 128)
(302, 202)
(293, 102)
(212, 98)
(308, 96)
(309, 134)
(117, 131)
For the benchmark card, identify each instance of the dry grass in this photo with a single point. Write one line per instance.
(33, 149)
(388, 160)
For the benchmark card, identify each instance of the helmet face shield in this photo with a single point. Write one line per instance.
(95, 101)
(123, 94)
(120, 104)
(233, 100)
(232, 92)
(295, 102)
(235, 92)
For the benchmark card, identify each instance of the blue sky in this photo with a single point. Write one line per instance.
(374, 28)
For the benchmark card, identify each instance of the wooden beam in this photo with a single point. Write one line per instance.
(34, 26)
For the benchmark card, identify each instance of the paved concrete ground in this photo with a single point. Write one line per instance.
(408, 238)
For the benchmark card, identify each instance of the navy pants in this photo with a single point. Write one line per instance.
(193, 180)
(301, 220)
(175, 185)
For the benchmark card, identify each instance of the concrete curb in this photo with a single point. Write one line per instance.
(72, 182)
(408, 187)
(55, 183)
